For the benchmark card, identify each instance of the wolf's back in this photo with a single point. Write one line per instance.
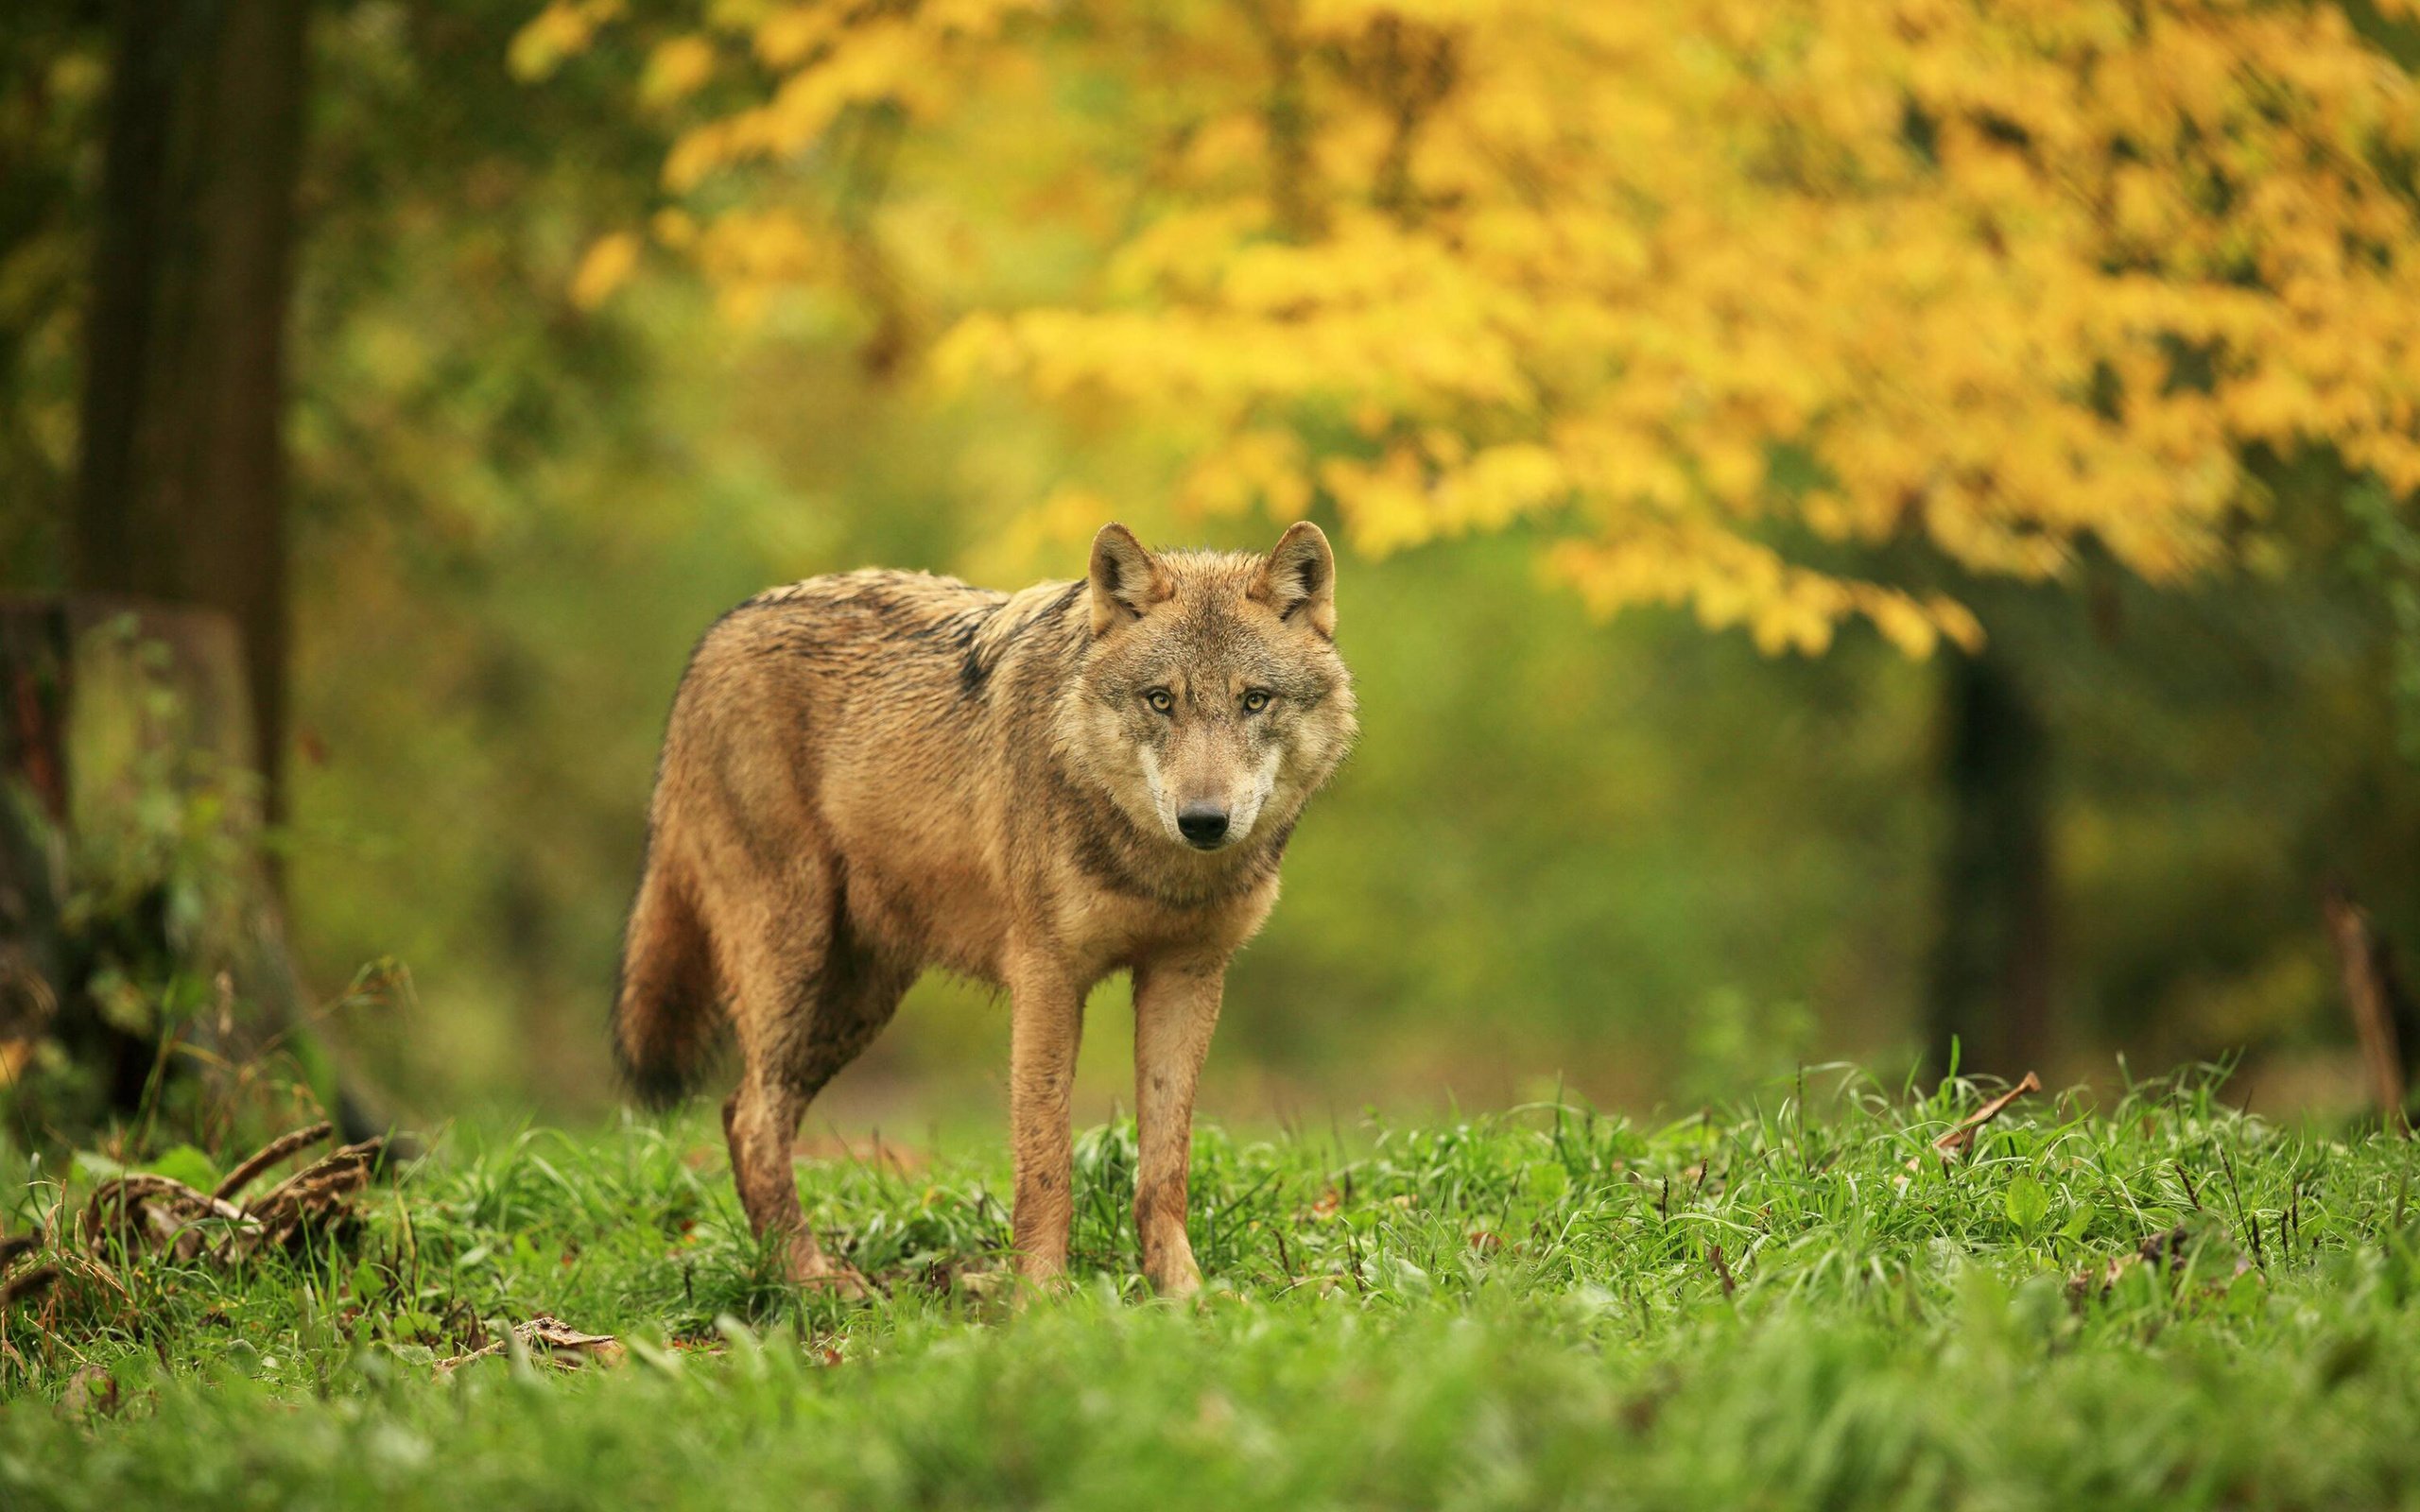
(881, 676)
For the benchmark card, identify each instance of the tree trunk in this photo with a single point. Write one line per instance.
(1991, 978)
(2384, 1017)
(181, 486)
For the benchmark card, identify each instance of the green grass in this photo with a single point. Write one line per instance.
(1516, 1311)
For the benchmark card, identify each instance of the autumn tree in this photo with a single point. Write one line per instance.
(1790, 311)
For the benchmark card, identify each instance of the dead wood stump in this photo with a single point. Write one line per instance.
(131, 841)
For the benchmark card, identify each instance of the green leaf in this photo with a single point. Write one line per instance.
(1549, 1183)
(186, 1165)
(2028, 1203)
(1401, 1275)
(91, 1165)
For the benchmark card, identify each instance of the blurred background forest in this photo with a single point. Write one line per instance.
(1863, 521)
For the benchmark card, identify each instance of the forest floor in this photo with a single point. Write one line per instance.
(1790, 1302)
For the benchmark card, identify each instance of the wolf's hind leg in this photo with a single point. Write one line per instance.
(760, 1122)
(774, 967)
(832, 1016)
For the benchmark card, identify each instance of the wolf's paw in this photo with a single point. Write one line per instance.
(837, 1277)
(1041, 1283)
(1167, 1265)
(843, 1281)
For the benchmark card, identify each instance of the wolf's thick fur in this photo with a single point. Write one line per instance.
(870, 774)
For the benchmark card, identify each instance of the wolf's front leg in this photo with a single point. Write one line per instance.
(1046, 1023)
(1176, 1005)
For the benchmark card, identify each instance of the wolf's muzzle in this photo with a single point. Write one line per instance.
(1203, 825)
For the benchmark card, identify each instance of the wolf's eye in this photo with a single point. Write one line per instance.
(1161, 701)
(1255, 700)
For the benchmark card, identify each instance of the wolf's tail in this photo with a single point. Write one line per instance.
(663, 1011)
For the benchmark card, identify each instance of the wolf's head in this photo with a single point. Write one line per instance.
(1213, 702)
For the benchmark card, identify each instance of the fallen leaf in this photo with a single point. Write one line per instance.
(91, 1392)
(1962, 1138)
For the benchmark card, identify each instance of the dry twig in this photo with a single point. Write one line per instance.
(547, 1339)
(269, 1154)
(160, 1214)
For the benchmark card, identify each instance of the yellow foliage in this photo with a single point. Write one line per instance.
(563, 31)
(605, 266)
(676, 70)
(1262, 467)
(1689, 281)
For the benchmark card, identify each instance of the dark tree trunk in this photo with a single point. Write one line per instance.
(181, 485)
(1990, 979)
(175, 551)
(2385, 1018)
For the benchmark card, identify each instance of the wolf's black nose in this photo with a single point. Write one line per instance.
(1202, 824)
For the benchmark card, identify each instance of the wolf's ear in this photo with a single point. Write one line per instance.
(1127, 580)
(1299, 578)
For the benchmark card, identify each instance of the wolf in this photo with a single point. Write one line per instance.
(869, 775)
